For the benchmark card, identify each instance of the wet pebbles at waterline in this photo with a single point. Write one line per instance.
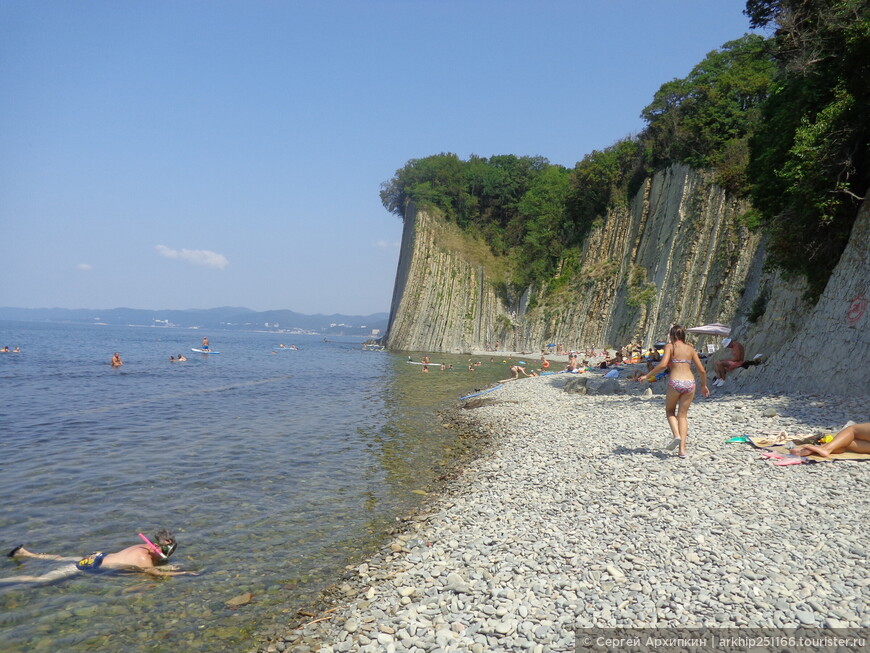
(577, 517)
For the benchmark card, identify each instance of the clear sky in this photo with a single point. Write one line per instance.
(172, 154)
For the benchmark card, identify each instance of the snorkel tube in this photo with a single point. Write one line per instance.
(164, 551)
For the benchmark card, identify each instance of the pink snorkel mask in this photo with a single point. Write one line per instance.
(164, 552)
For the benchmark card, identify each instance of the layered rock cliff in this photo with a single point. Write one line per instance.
(443, 299)
(821, 347)
(676, 254)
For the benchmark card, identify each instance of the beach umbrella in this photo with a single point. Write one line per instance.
(714, 329)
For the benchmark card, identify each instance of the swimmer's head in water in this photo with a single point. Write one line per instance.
(165, 541)
(163, 545)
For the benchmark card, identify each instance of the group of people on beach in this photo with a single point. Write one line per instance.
(676, 361)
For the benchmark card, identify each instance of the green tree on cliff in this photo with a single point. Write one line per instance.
(540, 225)
(600, 180)
(706, 118)
(436, 181)
(810, 164)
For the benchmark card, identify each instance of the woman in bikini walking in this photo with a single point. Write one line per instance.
(681, 386)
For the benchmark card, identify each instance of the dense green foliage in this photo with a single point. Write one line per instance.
(524, 207)
(780, 120)
(512, 202)
(810, 162)
(705, 119)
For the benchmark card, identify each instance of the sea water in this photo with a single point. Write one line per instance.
(273, 468)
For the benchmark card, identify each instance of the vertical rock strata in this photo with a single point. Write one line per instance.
(680, 233)
(441, 301)
(680, 237)
(821, 348)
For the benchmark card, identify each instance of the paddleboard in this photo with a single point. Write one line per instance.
(416, 363)
(483, 392)
(205, 351)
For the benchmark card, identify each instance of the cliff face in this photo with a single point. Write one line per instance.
(676, 254)
(821, 348)
(442, 300)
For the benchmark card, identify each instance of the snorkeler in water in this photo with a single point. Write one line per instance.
(143, 558)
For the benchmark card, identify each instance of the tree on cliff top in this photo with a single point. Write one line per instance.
(706, 118)
(516, 203)
(782, 120)
(810, 165)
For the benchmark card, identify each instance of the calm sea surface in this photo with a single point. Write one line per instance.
(274, 471)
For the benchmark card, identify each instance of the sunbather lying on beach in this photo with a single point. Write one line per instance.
(855, 438)
(142, 558)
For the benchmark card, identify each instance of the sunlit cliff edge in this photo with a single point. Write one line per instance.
(677, 253)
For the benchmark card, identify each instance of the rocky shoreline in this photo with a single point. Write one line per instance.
(574, 516)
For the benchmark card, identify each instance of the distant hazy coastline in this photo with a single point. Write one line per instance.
(229, 317)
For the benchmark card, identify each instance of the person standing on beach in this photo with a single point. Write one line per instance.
(681, 387)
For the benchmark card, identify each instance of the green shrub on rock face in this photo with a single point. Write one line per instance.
(598, 183)
(640, 291)
(759, 306)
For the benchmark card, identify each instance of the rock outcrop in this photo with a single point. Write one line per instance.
(821, 348)
(442, 300)
(677, 253)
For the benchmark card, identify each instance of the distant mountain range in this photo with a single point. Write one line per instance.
(227, 317)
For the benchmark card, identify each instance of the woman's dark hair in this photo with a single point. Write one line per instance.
(677, 333)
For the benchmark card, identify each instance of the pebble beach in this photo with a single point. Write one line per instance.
(574, 515)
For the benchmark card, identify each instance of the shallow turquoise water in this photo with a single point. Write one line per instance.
(274, 470)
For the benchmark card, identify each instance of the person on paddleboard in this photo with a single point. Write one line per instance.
(143, 558)
(204, 344)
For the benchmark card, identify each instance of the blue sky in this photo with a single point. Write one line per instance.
(191, 154)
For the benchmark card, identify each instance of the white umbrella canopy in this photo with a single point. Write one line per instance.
(714, 329)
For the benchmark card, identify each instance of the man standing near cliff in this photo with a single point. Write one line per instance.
(725, 365)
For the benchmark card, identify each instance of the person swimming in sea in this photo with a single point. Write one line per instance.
(148, 557)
